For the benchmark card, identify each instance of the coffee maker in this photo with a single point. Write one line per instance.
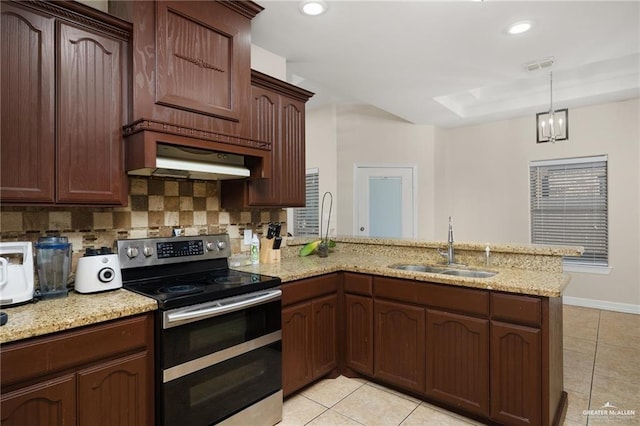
(16, 273)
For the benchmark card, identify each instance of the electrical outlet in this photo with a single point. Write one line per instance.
(248, 233)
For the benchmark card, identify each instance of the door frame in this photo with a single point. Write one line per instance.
(414, 192)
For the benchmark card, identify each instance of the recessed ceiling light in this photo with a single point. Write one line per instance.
(313, 7)
(519, 27)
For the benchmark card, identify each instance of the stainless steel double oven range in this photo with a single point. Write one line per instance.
(218, 331)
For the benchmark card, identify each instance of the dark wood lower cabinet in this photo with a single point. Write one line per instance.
(309, 331)
(325, 326)
(493, 355)
(359, 333)
(515, 374)
(458, 360)
(399, 344)
(48, 403)
(296, 347)
(95, 375)
(115, 392)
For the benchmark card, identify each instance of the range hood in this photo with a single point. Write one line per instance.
(194, 163)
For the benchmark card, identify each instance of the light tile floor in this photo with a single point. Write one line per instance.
(601, 369)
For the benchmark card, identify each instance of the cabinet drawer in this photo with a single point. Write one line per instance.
(60, 351)
(516, 308)
(456, 299)
(309, 288)
(358, 283)
(442, 296)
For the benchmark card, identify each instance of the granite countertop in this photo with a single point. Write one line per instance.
(528, 270)
(523, 281)
(76, 310)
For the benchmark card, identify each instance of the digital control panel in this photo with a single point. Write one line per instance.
(167, 249)
(159, 251)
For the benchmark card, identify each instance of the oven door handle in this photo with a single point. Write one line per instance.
(207, 310)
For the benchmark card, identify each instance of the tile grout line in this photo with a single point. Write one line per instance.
(336, 403)
(593, 367)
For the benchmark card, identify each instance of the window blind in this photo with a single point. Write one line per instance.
(306, 219)
(569, 206)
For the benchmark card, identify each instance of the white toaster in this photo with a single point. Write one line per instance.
(98, 272)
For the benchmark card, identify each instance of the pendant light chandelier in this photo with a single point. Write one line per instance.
(552, 125)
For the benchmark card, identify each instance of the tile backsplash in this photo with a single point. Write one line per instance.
(156, 207)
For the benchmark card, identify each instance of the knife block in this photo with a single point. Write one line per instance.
(267, 253)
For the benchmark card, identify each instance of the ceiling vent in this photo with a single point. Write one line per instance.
(539, 64)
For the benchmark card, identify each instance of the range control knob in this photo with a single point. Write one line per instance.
(147, 251)
(222, 245)
(210, 246)
(132, 252)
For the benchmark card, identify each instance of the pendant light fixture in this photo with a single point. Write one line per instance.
(552, 126)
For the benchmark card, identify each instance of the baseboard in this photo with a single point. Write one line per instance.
(601, 304)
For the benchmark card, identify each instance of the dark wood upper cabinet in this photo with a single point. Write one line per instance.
(90, 159)
(278, 117)
(63, 90)
(28, 139)
(192, 62)
(191, 80)
(199, 60)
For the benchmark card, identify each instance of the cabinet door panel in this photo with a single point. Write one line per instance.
(202, 58)
(458, 360)
(265, 126)
(359, 330)
(515, 374)
(90, 149)
(27, 148)
(399, 344)
(290, 155)
(297, 368)
(325, 349)
(114, 393)
(48, 403)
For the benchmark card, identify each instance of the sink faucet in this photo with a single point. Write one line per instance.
(449, 255)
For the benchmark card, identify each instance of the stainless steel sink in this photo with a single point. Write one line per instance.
(420, 268)
(469, 273)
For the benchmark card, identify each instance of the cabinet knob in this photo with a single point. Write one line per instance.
(362, 228)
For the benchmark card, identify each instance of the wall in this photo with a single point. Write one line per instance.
(367, 135)
(482, 181)
(322, 154)
(102, 5)
(268, 63)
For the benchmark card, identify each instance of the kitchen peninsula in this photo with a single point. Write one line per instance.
(489, 348)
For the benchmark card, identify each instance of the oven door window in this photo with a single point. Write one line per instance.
(200, 338)
(217, 392)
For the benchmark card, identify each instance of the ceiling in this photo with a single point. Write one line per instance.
(451, 63)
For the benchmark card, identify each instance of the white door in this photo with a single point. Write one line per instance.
(385, 202)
